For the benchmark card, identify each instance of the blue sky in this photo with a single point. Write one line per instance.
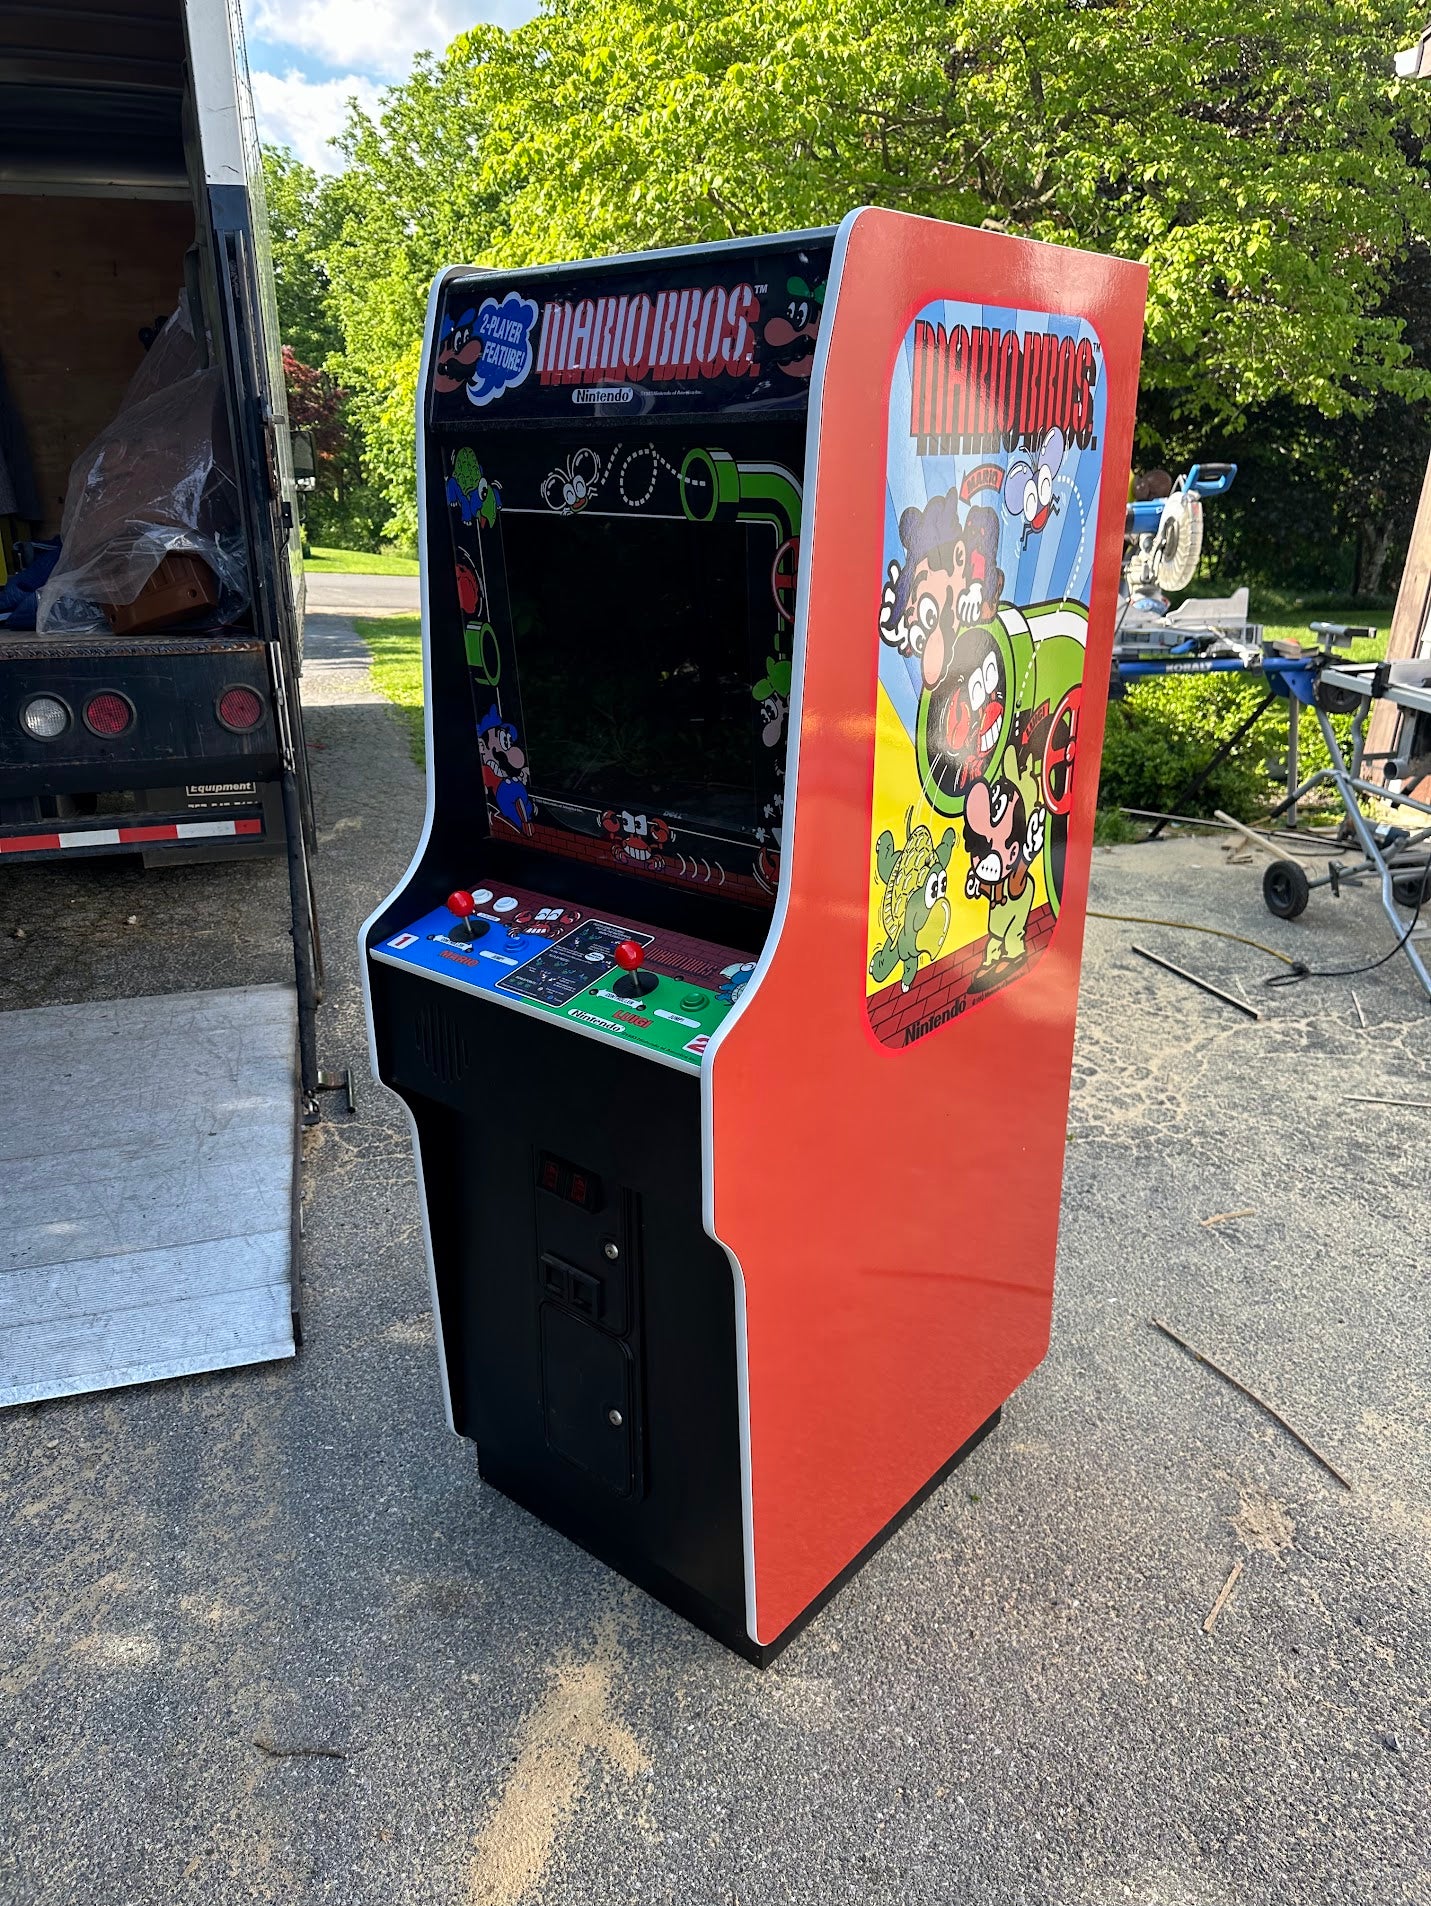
(309, 57)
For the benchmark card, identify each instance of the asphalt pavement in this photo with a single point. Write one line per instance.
(265, 1636)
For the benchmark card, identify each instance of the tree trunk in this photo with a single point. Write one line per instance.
(1373, 548)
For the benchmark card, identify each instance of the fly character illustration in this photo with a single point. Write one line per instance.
(1028, 488)
(569, 488)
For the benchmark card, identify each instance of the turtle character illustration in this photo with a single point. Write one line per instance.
(468, 489)
(916, 887)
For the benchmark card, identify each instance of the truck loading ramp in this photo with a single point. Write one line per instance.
(150, 1173)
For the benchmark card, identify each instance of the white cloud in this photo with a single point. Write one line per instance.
(374, 36)
(304, 114)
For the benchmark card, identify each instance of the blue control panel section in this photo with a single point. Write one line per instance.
(536, 954)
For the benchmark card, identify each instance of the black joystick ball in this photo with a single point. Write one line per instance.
(630, 956)
(464, 906)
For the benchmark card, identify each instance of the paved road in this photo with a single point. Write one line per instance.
(331, 594)
(264, 1636)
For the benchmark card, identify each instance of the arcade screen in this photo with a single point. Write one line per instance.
(634, 660)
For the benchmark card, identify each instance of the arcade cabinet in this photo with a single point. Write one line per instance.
(768, 596)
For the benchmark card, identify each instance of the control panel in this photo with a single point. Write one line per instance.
(603, 974)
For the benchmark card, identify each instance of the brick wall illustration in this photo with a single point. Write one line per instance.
(941, 991)
(560, 840)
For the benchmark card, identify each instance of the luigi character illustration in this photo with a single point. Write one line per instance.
(1003, 836)
(772, 691)
(790, 331)
(469, 491)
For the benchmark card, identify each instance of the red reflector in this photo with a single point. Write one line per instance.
(107, 714)
(240, 708)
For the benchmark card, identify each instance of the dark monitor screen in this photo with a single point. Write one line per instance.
(633, 646)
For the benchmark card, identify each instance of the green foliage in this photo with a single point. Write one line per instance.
(395, 643)
(1254, 153)
(331, 560)
(1160, 735)
(299, 228)
(1163, 732)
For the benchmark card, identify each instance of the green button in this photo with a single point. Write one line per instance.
(694, 1001)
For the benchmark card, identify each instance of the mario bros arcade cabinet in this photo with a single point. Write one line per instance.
(768, 598)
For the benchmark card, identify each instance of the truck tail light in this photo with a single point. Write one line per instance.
(44, 717)
(240, 709)
(108, 713)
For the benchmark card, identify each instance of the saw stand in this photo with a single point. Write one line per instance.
(1398, 858)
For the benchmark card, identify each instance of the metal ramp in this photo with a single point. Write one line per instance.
(148, 1189)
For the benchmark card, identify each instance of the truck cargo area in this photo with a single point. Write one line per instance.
(150, 646)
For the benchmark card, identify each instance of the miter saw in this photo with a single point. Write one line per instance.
(1163, 539)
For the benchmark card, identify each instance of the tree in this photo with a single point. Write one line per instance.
(299, 229)
(1254, 153)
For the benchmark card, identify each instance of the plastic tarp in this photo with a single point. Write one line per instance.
(158, 481)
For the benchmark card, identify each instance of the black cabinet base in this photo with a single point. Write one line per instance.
(718, 1622)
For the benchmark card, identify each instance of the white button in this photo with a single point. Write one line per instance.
(505, 905)
(482, 896)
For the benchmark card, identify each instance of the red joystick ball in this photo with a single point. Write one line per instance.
(464, 906)
(630, 956)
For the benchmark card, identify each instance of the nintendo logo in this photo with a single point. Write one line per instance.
(603, 394)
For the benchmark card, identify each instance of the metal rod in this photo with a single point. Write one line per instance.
(1200, 779)
(1204, 985)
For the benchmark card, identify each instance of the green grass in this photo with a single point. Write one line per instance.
(395, 642)
(357, 562)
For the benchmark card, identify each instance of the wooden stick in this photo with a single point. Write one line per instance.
(1224, 1596)
(1258, 840)
(1412, 1105)
(1252, 1397)
(1206, 985)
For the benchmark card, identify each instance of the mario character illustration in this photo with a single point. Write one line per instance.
(915, 909)
(1003, 836)
(790, 332)
(504, 770)
(459, 351)
(950, 580)
(469, 491)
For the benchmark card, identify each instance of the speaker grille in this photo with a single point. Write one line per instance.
(443, 1045)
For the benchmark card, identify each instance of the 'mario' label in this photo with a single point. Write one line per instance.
(981, 387)
(698, 331)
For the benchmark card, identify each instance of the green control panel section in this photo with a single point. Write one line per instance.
(665, 993)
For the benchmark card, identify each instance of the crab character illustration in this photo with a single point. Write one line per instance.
(459, 351)
(915, 909)
(790, 332)
(636, 839)
(469, 490)
(571, 486)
